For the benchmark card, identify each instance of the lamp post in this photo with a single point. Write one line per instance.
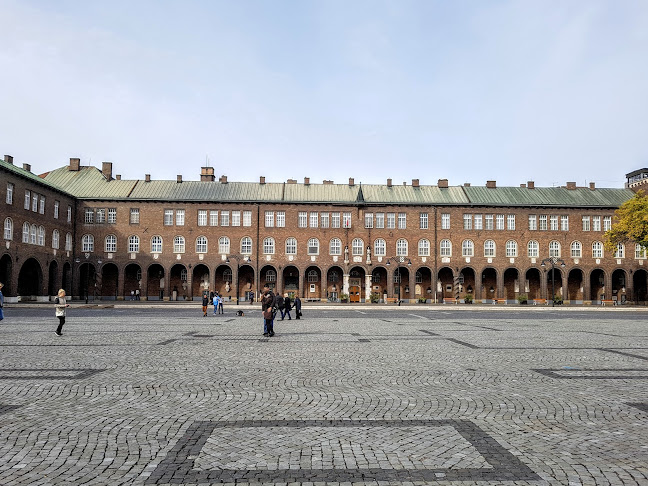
(398, 260)
(238, 259)
(87, 289)
(553, 261)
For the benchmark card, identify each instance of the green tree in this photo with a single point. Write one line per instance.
(631, 223)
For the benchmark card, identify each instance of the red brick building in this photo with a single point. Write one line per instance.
(171, 239)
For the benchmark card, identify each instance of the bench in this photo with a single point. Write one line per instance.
(608, 302)
(392, 300)
(449, 300)
(539, 301)
(499, 301)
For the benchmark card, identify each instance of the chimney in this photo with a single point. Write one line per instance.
(571, 186)
(415, 183)
(404, 183)
(179, 178)
(443, 183)
(327, 182)
(118, 177)
(75, 164)
(147, 178)
(27, 167)
(523, 185)
(351, 181)
(207, 174)
(262, 180)
(306, 181)
(531, 185)
(8, 159)
(592, 186)
(291, 181)
(389, 182)
(491, 184)
(466, 184)
(106, 170)
(223, 179)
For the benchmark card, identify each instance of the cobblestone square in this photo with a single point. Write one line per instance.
(365, 395)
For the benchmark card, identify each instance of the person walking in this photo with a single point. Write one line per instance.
(297, 306)
(286, 308)
(60, 304)
(216, 302)
(267, 302)
(279, 304)
(205, 302)
(1, 301)
(221, 299)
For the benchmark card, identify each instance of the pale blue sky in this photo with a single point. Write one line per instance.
(550, 91)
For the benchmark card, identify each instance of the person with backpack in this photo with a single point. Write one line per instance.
(216, 302)
(279, 304)
(60, 304)
(286, 309)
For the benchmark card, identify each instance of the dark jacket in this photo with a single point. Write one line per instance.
(287, 303)
(279, 301)
(205, 299)
(267, 300)
(297, 303)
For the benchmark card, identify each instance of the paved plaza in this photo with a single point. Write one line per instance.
(155, 395)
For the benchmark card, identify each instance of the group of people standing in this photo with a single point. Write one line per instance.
(214, 298)
(271, 304)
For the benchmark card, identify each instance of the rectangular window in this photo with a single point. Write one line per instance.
(564, 223)
(346, 220)
(180, 217)
(423, 220)
(335, 220)
(533, 222)
(112, 215)
(89, 216)
(247, 218)
(168, 217)
(314, 219)
(213, 218)
(10, 190)
(69, 214)
(34, 202)
(202, 217)
(324, 218)
(224, 218)
(269, 219)
(553, 222)
(510, 222)
(607, 223)
(302, 219)
(369, 220)
(489, 222)
(236, 218)
(134, 216)
(478, 222)
(445, 221)
(543, 222)
(27, 199)
(41, 206)
(281, 219)
(586, 223)
(56, 209)
(391, 220)
(380, 220)
(640, 252)
(499, 221)
(467, 221)
(402, 220)
(101, 215)
(596, 223)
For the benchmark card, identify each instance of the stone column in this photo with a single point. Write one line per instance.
(323, 282)
(411, 284)
(345, 284)
(279, 283)
(301, 291)
(500, 285)
(368, 288)
(390, 283)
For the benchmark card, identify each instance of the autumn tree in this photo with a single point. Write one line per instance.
(630, 224)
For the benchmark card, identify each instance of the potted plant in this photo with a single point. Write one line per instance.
(422, 300)
(344, 297)
(523, 299)
(374, 297)
(468, 299)
(557, 300)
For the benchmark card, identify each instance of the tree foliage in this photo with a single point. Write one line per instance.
(630, 223)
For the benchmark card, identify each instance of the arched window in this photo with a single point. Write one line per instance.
(401, 247)
(246, 245)
(271, 276)
(268, 246)
(511, 248)
(554, 249)
(87, 243)
(424, 247)
(178, 244)
(110, 244)
(313, 276)
(333, 276)
(8, 229)
(41, 236)
(55, 239)
(418, 277)
(335, 246)
(467, 248)
(25, 238)
(357, 247)
(68, 242)
(201, 244)
(576, 249)
(156, 244)
(183, 274)
(489, 248)
(597, 249)
(640, 251)
(227, 275)
(533, 249)
(313, 246)
(133, 244)
(620, 251)
(380, 247)
(223, 245)
(291, 246)
(32, 234)
(446, 248)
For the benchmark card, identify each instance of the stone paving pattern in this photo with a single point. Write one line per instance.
(395, 396)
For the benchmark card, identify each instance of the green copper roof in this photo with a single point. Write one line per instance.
(547, 196)
(89, 183)
(320, 193)
(379, 194)
(28, 175)
(206, 191)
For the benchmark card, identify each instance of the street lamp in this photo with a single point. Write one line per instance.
(553, 261)
(238, 259)
(78, 261)
(398, 260)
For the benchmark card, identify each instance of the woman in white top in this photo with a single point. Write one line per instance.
(60, 305)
